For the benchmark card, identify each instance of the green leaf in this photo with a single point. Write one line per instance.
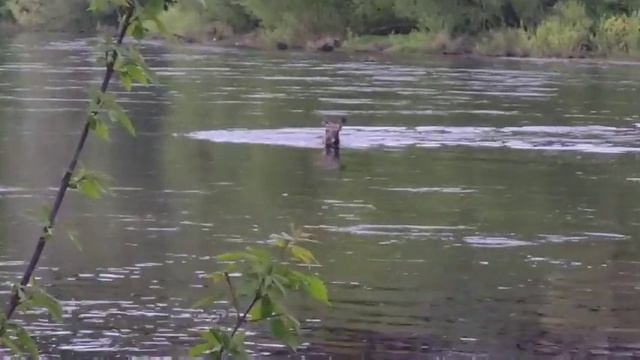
(260, 254)
(136, 29)
(236, 347)
(204, 348)
(292, 321)
(138, 73)
(90, 183)
(217, 276)
(236, 256)
(262, 309)
(278, 282)
(100, 100)
(132, 69)
(38, 297)
(26, 342)
(280, 243)
(100, 128)
(316, 289)
(219, 336)
(302, 254)
(108, 101)
(256, 311)
(279, 329)
(94, 103)
(135, 57)
(124, 120)
(284, 332)
(199, 350)
(8, 342)
(126, 80)
(73, 236)
(214, 343)
(91, 188)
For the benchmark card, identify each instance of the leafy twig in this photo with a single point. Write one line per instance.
(270, 275)
(14, 301)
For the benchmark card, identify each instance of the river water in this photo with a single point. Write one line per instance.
(483, 208)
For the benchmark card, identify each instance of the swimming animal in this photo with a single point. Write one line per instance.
(331, 152)
(332, 127)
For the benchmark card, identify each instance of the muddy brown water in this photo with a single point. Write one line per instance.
(484, 208)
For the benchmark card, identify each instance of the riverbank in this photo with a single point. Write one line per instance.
(387, 47)
(415, 44)
(568, 30)
(561, 29)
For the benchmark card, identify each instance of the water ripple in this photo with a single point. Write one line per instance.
(588, 139)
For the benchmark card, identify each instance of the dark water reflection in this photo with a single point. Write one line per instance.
(449, 251)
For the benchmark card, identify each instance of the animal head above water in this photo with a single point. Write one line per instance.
(332, 126)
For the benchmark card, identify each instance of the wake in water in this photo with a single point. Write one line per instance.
(589, 139)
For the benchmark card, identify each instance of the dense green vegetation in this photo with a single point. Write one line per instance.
(563, 28)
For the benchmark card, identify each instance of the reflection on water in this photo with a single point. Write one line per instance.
(596, 139)
(460, 224)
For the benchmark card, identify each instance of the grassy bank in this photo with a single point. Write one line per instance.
(568, 33)
(540, 28)
(567, 29)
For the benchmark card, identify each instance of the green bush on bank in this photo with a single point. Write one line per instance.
(376, 17)
(619, 35)
(183, 21)
(505, 42)
(5, 12)
(231, 13)
(196, 20)
(295, 21)
(50, 14)
(414, 42)
(560, 28)
(565, 33)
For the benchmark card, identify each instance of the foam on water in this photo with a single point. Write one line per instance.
(588, 139)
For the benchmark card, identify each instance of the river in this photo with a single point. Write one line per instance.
(484, 208)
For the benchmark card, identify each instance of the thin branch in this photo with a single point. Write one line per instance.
(234, 297)
(14, 301)
(242, 319)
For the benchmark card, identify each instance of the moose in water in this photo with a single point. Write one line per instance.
(332, 126)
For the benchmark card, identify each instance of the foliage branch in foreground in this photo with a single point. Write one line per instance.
(259, 293)
(266, 278)
(103, 111)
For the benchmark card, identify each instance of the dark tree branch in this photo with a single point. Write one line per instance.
(241, 320)
(234, 296)
(14, 301)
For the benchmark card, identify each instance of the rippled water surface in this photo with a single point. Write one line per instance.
(482, 208)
